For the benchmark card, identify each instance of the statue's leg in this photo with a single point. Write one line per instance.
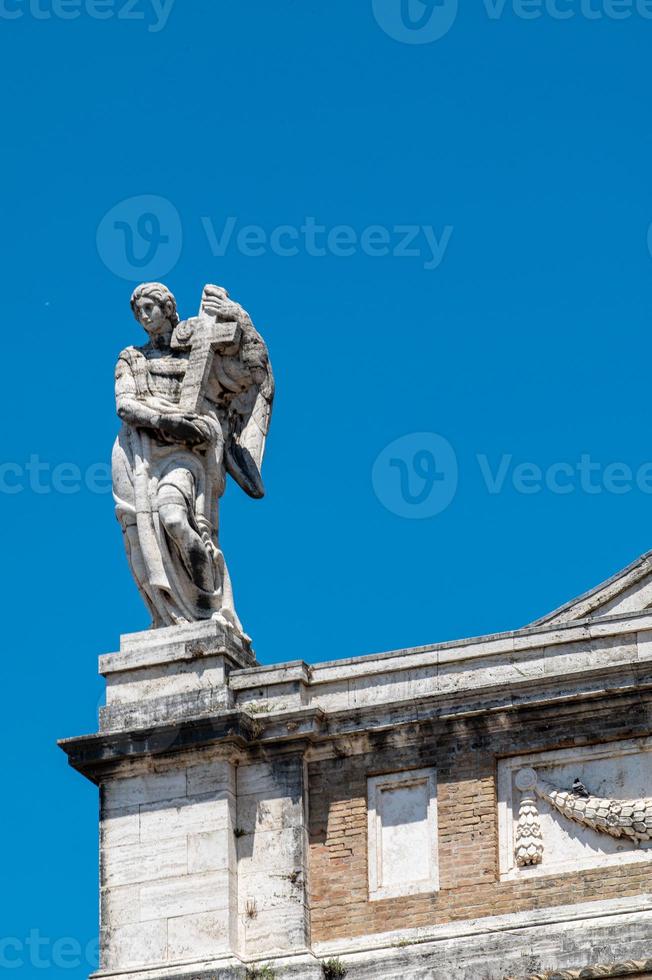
(138, 569)
(124, 493)
(173, 514)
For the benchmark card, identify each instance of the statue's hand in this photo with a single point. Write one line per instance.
(208, 433)
(216, 303)
(184, 428)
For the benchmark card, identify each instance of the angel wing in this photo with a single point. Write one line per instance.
(248, 376)
(249, 414)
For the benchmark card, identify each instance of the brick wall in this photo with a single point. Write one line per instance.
(465, 756)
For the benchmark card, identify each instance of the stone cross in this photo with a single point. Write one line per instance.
(204, 335)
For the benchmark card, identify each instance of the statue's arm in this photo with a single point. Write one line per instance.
(169, 424)
(131, 409)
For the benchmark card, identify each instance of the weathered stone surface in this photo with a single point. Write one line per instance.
(187, 894)
(183, 818)
(272, 863)
(169, 863)
(134, 945)
(139, 790)
(194, 937)
(161, 676)
(145, 862)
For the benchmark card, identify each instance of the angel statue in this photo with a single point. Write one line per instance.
(195, 402)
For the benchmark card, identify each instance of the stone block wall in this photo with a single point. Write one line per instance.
(204, 861)
(272, 856)
(167, 862)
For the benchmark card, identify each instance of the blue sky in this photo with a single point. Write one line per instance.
(431, 405)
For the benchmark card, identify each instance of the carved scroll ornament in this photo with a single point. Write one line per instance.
(629, 819)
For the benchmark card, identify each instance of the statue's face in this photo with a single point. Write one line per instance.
(151, 316)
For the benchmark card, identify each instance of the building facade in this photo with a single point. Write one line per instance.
(479, 810)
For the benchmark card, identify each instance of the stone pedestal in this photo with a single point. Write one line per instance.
(170, 674)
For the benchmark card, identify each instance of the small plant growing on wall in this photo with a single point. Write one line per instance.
(265, 972)
(333, 969)
(251, 908)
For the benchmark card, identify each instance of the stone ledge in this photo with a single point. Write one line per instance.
(263, 676)
(561, 657)
(91, 753)
(454, 651)
(641, 969)
(584, 912)
(491, 948)
(163, 710)
(178, 662)
(192, 641)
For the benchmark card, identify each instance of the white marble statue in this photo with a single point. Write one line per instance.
(195, 402)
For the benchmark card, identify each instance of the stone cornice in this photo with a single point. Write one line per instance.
(472, 648)
(278, 705)
(236, 731)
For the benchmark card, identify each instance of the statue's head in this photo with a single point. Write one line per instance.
(154, 307)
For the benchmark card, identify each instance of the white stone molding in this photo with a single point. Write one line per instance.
(402, 833)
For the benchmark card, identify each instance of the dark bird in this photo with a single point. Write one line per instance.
(579, 789)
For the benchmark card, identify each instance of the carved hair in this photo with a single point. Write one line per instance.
(161, 295)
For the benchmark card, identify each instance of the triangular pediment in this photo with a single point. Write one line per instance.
(629, 591)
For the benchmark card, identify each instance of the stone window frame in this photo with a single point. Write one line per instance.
(375, 785)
